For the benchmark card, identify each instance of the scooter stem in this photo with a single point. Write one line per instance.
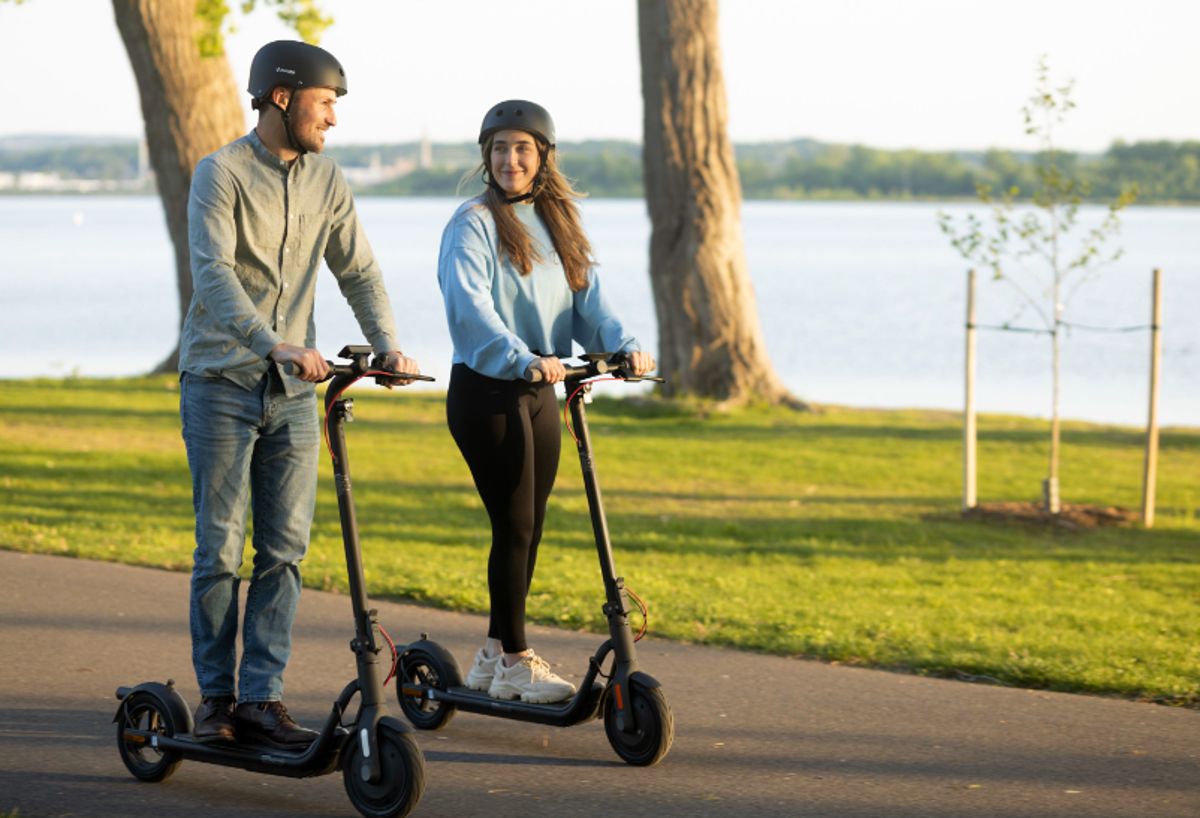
(366, 645)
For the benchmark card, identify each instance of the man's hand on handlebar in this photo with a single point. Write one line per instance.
(641, 363)
(551, 369)
(311, 363)
(396, 362)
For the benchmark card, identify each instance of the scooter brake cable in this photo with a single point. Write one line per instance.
(567, 408)
(645, 614)
(395, 655)
(338, 396)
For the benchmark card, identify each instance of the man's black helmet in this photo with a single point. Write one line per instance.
(518, 114)
(297, 65)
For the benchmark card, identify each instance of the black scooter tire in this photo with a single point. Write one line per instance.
(401, 781)
(144, 712)
(417, 666)
(655, 725)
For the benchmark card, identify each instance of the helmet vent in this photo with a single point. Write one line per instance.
(518, 112)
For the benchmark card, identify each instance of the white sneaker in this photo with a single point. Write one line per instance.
(531, 680)
(480, 677)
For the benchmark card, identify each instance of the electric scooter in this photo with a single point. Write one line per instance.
(383, 768)
(637, 717)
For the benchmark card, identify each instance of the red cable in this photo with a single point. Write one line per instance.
(645, 614)
(328, 446)
(567, 408)
(395, 656)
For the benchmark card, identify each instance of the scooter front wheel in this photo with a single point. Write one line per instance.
(144, 713)
(420, 667)
(401, 780)
(653, 725)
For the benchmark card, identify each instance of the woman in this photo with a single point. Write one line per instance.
(517, 276)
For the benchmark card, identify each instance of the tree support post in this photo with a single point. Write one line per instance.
(1150, 475)
(969, 426)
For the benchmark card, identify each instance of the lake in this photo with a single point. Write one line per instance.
(862, 304)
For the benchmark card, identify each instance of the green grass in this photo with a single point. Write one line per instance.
(834, 535)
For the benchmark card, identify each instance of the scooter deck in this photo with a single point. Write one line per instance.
(257, 747)
(256, 756)
(565, 713)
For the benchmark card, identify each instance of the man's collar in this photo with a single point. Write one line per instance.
(264, 153)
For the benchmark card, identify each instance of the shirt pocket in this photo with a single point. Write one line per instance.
(313, 237)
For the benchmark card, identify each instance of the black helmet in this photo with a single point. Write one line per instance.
(296, 65)
(520, 115)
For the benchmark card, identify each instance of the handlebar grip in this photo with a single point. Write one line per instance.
(290, 368)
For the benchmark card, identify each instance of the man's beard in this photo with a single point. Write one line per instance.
(311, 141)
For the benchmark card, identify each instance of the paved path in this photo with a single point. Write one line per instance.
(755, 735)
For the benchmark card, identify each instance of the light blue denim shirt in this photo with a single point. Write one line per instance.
(258, 231)
(498, 316)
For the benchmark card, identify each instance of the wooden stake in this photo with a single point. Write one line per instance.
(969, 427)
(1150, 476)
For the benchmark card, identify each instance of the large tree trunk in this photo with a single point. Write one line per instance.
(191, 108)
(710, 341)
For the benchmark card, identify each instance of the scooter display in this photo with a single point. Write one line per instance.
(637, 717)
(383, 768)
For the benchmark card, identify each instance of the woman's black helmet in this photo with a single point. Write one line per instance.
(296, 65)
(521, 115)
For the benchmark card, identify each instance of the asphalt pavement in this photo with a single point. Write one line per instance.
(755, 735)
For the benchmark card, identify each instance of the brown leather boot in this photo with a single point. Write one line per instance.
(270, 723)
(214, 720)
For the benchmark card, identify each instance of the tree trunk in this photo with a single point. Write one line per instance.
(710, 341)
(190, 106)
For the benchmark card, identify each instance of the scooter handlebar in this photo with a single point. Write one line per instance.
(617, 365)
(290, 368)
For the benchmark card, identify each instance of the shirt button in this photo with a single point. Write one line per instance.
(291, 215)
(285, 285)
(287, 249)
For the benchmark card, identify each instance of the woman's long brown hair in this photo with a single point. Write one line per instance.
(557, 203)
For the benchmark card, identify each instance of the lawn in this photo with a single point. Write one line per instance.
(833, 535)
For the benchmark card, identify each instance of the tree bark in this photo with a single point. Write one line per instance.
(190, 106)
(710, 341)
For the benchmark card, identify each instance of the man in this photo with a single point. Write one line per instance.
(263, 213)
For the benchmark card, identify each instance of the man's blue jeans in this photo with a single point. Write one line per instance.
(244, 447)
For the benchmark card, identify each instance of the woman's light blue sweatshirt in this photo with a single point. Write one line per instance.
(498, 317)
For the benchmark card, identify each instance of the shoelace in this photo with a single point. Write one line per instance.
(279, 710)
(538, 665)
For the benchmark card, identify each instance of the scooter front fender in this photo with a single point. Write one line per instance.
(167, 696)
(644, 679)
(395, 725)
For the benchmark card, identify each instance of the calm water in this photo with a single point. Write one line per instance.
(861, 304)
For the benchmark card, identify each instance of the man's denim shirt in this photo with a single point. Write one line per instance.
(258, 231)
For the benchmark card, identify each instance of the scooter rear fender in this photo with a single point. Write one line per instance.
(443, 655)
(167, 696)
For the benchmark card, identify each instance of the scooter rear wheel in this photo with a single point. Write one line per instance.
(654, 726)
(423, 668)
(401, 781)
(145, 713)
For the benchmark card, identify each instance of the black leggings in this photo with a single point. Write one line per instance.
(508, 432)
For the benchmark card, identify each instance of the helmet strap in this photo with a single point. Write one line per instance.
(494, 185)
(287, 125)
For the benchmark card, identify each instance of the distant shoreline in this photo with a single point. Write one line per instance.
(816, 199)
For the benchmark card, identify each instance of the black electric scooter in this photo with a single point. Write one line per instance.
(637, 717)
(383, 768)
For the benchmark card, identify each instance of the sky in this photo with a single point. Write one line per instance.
(923, 74)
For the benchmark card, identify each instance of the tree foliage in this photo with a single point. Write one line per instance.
(302, 16)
